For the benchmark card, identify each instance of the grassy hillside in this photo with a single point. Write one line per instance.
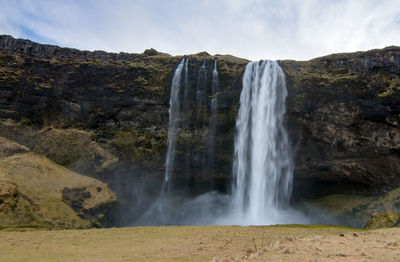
(36, 192)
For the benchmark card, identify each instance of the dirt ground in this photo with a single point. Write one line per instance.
(208, 243)
(377, 245)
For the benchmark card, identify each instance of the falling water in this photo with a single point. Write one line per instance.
(215, 80)
(262, 163)
(213, 122)
(186, 90)
(201, 96)
(173, 123)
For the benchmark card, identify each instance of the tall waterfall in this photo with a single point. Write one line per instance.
(201, 96)
(213, 122)
(186, 90)
(173, 123)
(262, 166)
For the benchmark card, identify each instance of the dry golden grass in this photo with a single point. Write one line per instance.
(9, 148)
(32, 188)
(183, 243)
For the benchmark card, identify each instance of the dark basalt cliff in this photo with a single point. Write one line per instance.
(344, 116)
(106, 115)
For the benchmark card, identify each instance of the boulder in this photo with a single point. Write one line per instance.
(383, 220)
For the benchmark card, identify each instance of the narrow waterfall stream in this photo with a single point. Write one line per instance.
(212, 129)
(173, 123)
(158, 212)
(188, 112)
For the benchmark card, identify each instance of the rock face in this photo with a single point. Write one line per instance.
(344, 116)
(107, 116)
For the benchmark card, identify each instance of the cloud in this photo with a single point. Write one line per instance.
(254, 29)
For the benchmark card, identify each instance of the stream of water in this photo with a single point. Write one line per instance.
(262, 167)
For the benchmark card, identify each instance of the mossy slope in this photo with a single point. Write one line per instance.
(383, 220)
(356, 210)
(33, 190)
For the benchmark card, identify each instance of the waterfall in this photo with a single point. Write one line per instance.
(201, 96)
(215, 80)
(212, 122)
(262, 166)
(186, 91)
(173, 122)
(262, 169)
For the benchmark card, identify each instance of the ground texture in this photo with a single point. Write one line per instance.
(211, 243)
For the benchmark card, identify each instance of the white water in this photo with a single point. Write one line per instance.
(201, 97)
(186, 91)
(212, 127)
(262, 166)
(173, 123)
(215, 81)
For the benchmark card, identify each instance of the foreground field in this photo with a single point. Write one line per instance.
(210, 243)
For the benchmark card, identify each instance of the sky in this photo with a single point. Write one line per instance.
(252, 29)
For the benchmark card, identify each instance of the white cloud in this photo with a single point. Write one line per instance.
(254, 29)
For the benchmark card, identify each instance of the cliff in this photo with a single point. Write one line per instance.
(344, 116)
(105, 115)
